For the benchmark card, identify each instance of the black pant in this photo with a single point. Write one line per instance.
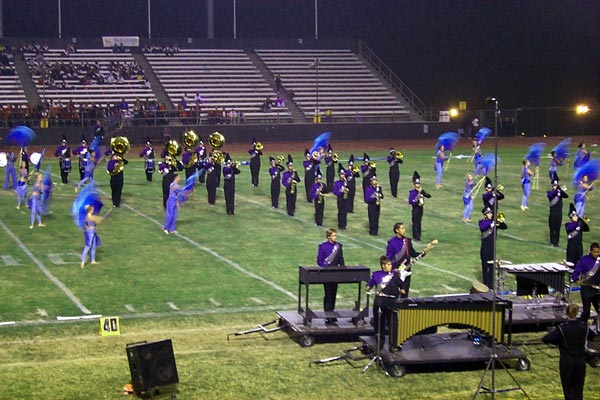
(64, 176)
(275, 189)
(290, 201)
(255, 170)
(394, 178)
(229, 191)
(149, 176)
(211, 187)
(572, 376)
(116, 187)
(166, 183)
(589, 297)
(373, 211)
(417, 216)
(554, 222)
(319, 208)
(342, 206)
(330, 294)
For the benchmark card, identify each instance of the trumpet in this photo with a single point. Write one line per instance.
(563, 188)
(500, 187)
(586, 219)
(500, 218)
(355, 169)
(399, 155)
(280, 159)
(335, 157)
(372, 165)
(258, 146)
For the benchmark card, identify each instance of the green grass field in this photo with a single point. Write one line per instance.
(223, 274)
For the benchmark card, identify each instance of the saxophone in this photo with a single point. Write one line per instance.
(346, 191)
(379, 195)
(421, 198)
(320, 195)
(293, 183)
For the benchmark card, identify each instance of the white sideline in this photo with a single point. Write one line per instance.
(45, 271)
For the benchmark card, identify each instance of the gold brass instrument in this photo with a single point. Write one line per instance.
(258, 146)
(335, 157)
(355, 169)
(320, 195)
(399, 155)
(563, 188)
(173, 148)
(218, 157)
(500, 218)
(120, 145)
(216, 140)
(280, 159)
(586, 219)
(190, 139)
(372, 165)
(294, 182)
(500, 187)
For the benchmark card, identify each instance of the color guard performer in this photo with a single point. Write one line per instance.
(555, 197)
(467, 198)
(488, 227)
(172, 208)
(554, 163)
(400, 250)
(309, 173)
(341, 191)
(35, 202)
(575, 228)
(229, 172)
(477, 167)
(10, 175)
(290, 180)
(416, 199)
(352, 173)
(587, 275)
(63, 152)
(91, 239)
(255, 152)
(149, 163)
(330, 161)
(82, 154)
(317, 194)
(22, 186)
(330, 254)
(581, 156)
(440, 160)
(394, 160)
(583, 187)
(373, 195)
(526, 175)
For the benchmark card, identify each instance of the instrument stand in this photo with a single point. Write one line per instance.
(491, 364)
(377, 357)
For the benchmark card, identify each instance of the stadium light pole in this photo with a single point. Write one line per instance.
(149, 21)
(317, 19)
(59, 21)
(234, 20)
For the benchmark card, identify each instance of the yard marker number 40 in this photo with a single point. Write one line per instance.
(109, 326)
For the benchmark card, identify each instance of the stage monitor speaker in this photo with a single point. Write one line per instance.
(152, 365)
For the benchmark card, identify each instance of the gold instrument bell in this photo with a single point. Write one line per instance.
(119, 146)
(190, 139)
(258, 146)
(399, 155)
(216, 140)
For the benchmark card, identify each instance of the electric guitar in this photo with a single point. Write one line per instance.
(405, 270)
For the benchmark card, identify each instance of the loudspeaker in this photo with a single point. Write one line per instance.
(152, 365)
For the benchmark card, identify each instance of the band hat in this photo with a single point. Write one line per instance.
(64, 139)
(416, 178)
(329, 148)
(373, 178)
(83, 139)
(488, 183)
(487, 210)
(227, 158)
(366, 157)
(318, 174)
(306, 153)
(271, 159)
(351, 159)
(341, 170)
(555, 179)
(289, 160)
(392, 150)
(147, 141)
(572, 210)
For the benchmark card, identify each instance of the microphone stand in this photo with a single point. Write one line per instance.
(491, 364)
(377, 357)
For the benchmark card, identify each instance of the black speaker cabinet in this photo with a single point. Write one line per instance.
(152, 365)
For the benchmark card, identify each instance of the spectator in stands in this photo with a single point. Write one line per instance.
(266, 105)
(123, 105)
(278, 85)
(279, 102)
(198, 99)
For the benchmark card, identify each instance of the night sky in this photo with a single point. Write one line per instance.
(526, 53)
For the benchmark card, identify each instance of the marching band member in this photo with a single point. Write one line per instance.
(416, 199)
(330, 162)
(63, 152)
(330, 254)
(317, 195)
(526, 175)
(373, 195)
(588, 268)
(364, 169)
(201, 153)
(488, 228)
(187, 158)
(379, 281)
(275, 171)
(491, 195)
(555, 197)
(148, 154)
(35, 202)
(400, 250)
(81, 152)
(229, 172)
(22, 185)
(351, 174)
(91, 239)
(467, 198)
(394, 162)
(341, 191)
(116, 178)
(212, 178)
(290, 180)
(575, 228)
(583, 187)
(10, 175)
(172, 208)
(255, 154)
(440, 159)
(309, 173)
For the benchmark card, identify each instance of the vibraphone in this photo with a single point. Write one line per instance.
(413, 315)
(550, 274)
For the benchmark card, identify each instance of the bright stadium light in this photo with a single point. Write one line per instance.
(453, 113)
(582, 109)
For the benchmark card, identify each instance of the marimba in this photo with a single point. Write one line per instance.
(550, 274)
(413, 315)
(314, 275)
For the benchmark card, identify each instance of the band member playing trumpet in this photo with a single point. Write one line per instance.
(526, 175)
(373, 195)
(63, 152)
(330, 254)
(341, 191)
(229, 172)
(416, 199)
(488, 227)
(275, 172)
(587, 275)
(330, 160)
(255, 152)
(400, 250)
(290, 181)
(394, 160)
(555, 197)
(467, 198)
(309, 173)
(317, 194)
(575, 228)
